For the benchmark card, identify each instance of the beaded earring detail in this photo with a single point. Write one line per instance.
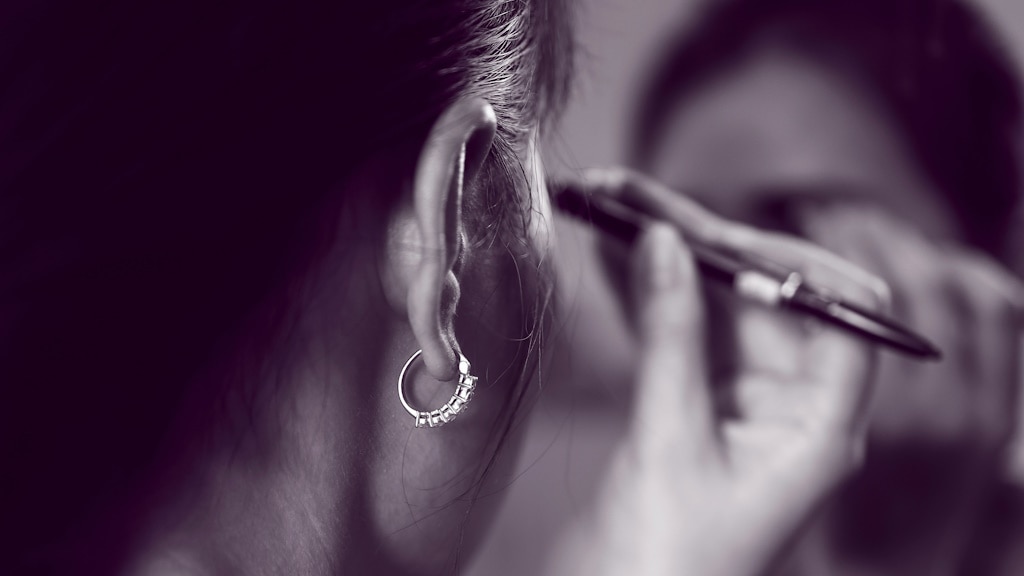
(447, 412)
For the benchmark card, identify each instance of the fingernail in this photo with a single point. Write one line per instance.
(663, 267)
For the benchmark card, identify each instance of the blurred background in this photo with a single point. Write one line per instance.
(620, 40)
(572, 431)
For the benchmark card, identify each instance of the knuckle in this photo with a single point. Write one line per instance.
(983, 299)
(619, 180)
(851, 282)
(880, 293)
(868, 290)
(988, 275)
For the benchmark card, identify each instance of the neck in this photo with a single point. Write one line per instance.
(311, 465)
(281, 471)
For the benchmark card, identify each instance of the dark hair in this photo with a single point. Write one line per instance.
(161, 163)
(934, 64)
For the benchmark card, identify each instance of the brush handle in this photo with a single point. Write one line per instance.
(750, 277)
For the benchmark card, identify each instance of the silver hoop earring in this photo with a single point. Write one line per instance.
(448, 412)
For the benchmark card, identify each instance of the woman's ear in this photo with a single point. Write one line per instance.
(451, 158)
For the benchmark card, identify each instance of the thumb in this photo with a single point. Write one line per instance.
(673, 402)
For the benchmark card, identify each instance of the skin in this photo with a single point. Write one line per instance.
(325, 473)
(322, 471)
(691, 490)
(779, 129)
(779, 125)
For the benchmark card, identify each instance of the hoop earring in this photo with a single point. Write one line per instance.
(455, 405)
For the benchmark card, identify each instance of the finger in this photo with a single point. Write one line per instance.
(915, 264)
(767, 341)
(847, 374)
(838, 364)
(850, 281)
(918, 275)
(994, 334)
(1001, 282)
(844, 366)
(841, 228)
(875, 242)
(937, 401)
(996, 297)
(673, 405)
(772, 400)
(845, 230)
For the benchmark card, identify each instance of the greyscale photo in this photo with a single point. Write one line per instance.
(512, 287)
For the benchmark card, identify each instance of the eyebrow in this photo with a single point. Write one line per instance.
(838, 189)
(772, 206)
(765, 198)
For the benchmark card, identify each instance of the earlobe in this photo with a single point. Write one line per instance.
(452, 156)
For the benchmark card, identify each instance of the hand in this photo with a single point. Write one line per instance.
(938, 431)
(691, 491)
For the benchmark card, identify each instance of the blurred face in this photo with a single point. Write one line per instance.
(762, 143)
(778, 126)
(777, 132)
